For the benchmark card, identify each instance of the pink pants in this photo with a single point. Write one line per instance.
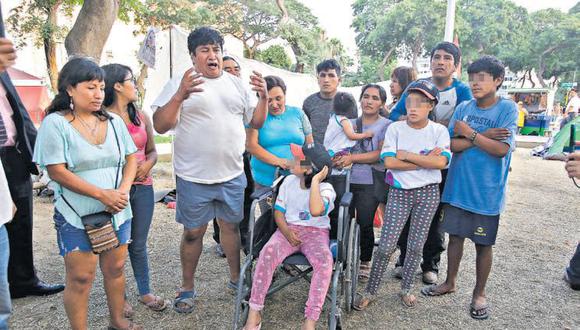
(315, 247)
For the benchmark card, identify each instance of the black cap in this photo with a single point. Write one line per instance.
(426, 87)
(317, 155)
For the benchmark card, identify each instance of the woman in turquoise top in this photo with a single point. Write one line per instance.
(270, 145)
(86, 151)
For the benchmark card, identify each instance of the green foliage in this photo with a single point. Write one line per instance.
(275, 56)
(368, 72)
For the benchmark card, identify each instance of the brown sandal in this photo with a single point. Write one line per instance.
(158, 304)
(408, 304)
(361, 302)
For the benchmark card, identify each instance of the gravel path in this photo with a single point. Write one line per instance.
(538, 233)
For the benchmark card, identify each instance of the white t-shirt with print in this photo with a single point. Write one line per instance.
(401, 136)
(334, 139)
(210, 135)
(294, 202)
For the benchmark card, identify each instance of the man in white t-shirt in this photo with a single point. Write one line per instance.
(208, 109)
(573, 104)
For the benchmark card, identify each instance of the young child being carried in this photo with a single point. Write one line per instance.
(340, 136)
(301, 214)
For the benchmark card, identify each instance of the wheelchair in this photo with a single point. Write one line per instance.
(344, 280)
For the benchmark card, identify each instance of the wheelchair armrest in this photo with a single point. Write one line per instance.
(261, 192)
(346, 199)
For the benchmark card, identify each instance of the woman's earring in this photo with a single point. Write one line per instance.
(72, 106)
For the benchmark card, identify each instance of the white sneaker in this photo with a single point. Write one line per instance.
(430, 277)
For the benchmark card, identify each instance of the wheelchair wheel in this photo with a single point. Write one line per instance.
(351, 265)
(334, 320)
(355, 265)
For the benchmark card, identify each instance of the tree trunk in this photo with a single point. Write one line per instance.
(542, 65)
(531, 80)
(282, 7)
(91, 29)
(50, 48)
(384, 63)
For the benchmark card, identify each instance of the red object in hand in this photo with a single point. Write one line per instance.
(171, 205)
(379, 216)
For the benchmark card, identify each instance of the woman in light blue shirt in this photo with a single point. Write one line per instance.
(270, 145)
(87, 152)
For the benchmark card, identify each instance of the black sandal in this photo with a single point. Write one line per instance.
(481, 313)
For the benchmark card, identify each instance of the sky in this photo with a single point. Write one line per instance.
(335, 16)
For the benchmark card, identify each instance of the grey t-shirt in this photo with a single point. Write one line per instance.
(362, 173)
(318, 110)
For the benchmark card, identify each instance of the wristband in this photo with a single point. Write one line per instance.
(473, 136)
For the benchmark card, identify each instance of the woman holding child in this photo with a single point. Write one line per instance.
(367, 174)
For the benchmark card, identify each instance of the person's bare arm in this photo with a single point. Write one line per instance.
(7, 54)
(165, 117)
(351, 134)
(431, 161)
(316, 203)
(144, 168)
(493, 147)
(393, 163)
(290, 235)
(261, 112)
(113, 199)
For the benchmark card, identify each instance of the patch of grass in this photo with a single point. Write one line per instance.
(162, 139)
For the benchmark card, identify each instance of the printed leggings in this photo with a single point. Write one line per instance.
(421, 204)
(315, 247)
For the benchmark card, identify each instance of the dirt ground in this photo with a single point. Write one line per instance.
(537, 236)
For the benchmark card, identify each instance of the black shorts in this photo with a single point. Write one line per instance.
(481, 229)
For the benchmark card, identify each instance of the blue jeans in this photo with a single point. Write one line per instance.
(142, 205)
(5, 305)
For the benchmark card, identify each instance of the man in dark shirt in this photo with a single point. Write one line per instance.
(318, 106)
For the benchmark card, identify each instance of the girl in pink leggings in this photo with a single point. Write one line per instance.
(301, 213)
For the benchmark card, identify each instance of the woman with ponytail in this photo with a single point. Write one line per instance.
(120, 95)
(91, 159)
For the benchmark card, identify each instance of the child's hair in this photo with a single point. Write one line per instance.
(344, 104)
(489, 64)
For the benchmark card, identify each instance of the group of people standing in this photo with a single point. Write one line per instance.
(437, 159)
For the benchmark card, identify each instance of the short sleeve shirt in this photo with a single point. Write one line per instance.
(477, 181)
(335, 140)
(449, 99)
(210, 134)
(58, 142)
(294, 202)
(401, 136)
(362, 173)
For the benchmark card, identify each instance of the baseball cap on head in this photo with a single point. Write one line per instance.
(425, 87)
(312, 154)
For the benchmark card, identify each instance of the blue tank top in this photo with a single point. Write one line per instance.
(276, 135)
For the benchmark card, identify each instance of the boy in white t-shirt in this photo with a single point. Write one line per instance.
(301, 213)
(340, 136)
(414, 152)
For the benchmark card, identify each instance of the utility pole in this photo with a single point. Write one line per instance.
(450, 20)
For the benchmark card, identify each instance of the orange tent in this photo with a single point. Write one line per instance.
(33, 93)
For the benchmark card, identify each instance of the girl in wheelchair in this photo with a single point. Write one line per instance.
(301, 214)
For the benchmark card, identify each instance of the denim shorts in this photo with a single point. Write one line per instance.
(197, 204)
(71, 238)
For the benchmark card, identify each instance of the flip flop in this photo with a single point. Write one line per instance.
(429, 291)
(406, 304)
(364, 273)
(481, 313)
(186, 298)
(158, 304)
(358, 303)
